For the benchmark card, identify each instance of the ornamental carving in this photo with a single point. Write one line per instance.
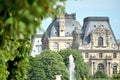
(101, 31)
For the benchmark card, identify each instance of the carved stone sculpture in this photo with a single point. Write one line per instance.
(76, 38)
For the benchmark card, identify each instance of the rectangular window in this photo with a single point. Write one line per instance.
(56, 46)
(39, 48)
(114, 55)
(114, 69)
(86, 55)
(100, 55)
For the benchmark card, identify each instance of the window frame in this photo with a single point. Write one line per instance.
(86, 55)
(100, 41)
(56, 46)
(114, 55)
(100, 55)
(100, 67)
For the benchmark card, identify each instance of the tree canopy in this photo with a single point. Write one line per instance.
(46, 65)
(18, 21)
(100, 74)
(81, 68)
(50, 63)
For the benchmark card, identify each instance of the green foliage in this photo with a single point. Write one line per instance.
(47, 65)
(100, 74)
(81, 68)
(116, 76)
(18, 21)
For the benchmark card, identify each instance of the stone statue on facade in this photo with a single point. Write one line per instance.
(76, 38)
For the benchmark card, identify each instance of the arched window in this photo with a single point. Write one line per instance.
(100, 67)
(100, 55)
(114, 67)
(56, 46)
(100, 41)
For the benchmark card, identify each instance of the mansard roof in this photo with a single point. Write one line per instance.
(70, 24)
(36, 36)
(96, 19)
(91, 23)
(118, 41)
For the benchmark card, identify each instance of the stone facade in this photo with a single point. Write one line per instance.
(36, 45)
(98, 45)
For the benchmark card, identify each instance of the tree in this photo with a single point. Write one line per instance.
(116, 76)
(18, 21)
(100, 74)
(47, 65)
(81, 68)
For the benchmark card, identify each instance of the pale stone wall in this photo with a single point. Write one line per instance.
(107, 50)
(62, 42)
(93, 62)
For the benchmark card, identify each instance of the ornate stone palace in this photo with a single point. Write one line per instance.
(97, 42)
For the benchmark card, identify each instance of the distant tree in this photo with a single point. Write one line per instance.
(81, 68)
(36, 72)
(100, 74)
(18, 21)
(116, 76)
(47, 65)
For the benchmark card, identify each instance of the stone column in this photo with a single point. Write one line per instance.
(107, 68)
(110, 69)
(92, 68)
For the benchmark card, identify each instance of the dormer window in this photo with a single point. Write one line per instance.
(94, 26)
(100, 42)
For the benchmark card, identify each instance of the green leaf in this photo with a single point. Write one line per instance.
(9, 20)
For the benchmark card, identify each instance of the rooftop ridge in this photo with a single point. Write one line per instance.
(96, 19)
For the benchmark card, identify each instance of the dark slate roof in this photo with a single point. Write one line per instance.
(91, 23)
(96, 19)
(70, 24)
(38, 35)
(118, 41)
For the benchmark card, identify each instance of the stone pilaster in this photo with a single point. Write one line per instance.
(92, 68)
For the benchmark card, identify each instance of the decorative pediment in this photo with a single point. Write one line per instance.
(101, 30)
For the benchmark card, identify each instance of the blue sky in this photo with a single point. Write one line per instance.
(85, 8)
